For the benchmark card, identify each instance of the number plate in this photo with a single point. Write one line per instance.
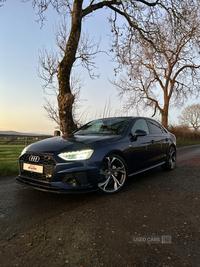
(33, 168)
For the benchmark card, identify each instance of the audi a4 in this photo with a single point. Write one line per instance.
(101, 155)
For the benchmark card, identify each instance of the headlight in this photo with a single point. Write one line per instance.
(24, 150)
(76, 155)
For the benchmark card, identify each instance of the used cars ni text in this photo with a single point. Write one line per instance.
(100, 155)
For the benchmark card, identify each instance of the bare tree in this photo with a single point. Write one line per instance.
(51, 106)
(49, 67)
(2, 1)
(162, 68)
(136, 14)
(191, 116)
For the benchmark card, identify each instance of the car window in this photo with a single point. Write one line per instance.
(140, 124)
(96, 127)
(114, 126)
(156, 128)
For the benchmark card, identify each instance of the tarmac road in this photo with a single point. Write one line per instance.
(188, 152)
(45, 229)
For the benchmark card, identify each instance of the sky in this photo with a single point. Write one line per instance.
(21, 93)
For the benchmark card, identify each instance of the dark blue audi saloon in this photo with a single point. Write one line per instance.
(101, 155)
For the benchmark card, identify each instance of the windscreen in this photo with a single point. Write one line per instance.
(114, 126)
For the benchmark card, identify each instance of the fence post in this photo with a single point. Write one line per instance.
(56, 133)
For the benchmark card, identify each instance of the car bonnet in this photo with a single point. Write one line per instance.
(69, 143)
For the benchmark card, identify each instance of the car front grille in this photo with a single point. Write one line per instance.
(47, 162)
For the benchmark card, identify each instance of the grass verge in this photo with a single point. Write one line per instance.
(8, 169)
(187, 143)
(9, 155)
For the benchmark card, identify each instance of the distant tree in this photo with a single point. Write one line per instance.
(137, 15)
(162, 69)
(191, 116)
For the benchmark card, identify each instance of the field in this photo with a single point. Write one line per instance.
(10, 150)
(14, 141)
(9, 159)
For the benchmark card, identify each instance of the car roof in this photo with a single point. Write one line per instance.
(124, 117)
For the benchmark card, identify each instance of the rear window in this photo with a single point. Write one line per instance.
(155, 127)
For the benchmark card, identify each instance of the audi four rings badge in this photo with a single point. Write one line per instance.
(34, 158)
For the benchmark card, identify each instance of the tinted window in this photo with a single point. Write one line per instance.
(140, 124)
(114, 126)
(156, 128)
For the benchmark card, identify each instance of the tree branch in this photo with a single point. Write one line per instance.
(147, 3)
(93, 7)
(177, 73)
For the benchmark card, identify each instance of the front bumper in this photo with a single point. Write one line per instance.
(52, 187)
(58, 176)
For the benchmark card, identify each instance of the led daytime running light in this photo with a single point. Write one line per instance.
(76, 155)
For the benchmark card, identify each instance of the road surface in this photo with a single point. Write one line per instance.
(46, 229)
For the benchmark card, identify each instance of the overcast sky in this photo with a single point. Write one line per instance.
(21, 93)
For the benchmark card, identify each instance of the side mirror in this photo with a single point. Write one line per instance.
(140, 133)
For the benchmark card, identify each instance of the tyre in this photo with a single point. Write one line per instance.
(113, 174)
(171, 160)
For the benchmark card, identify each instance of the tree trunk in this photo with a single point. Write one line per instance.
(65, 97)
(165, 115)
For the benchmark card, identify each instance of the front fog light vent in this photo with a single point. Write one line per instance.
(76, 179)
(70, 180)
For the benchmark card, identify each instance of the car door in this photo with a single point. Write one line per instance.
(161, 143)
(140, 148)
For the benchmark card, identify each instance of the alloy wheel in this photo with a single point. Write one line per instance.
(172, 158)
(112, 174)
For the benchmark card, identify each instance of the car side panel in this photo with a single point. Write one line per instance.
(160, 142)
(139, 153)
